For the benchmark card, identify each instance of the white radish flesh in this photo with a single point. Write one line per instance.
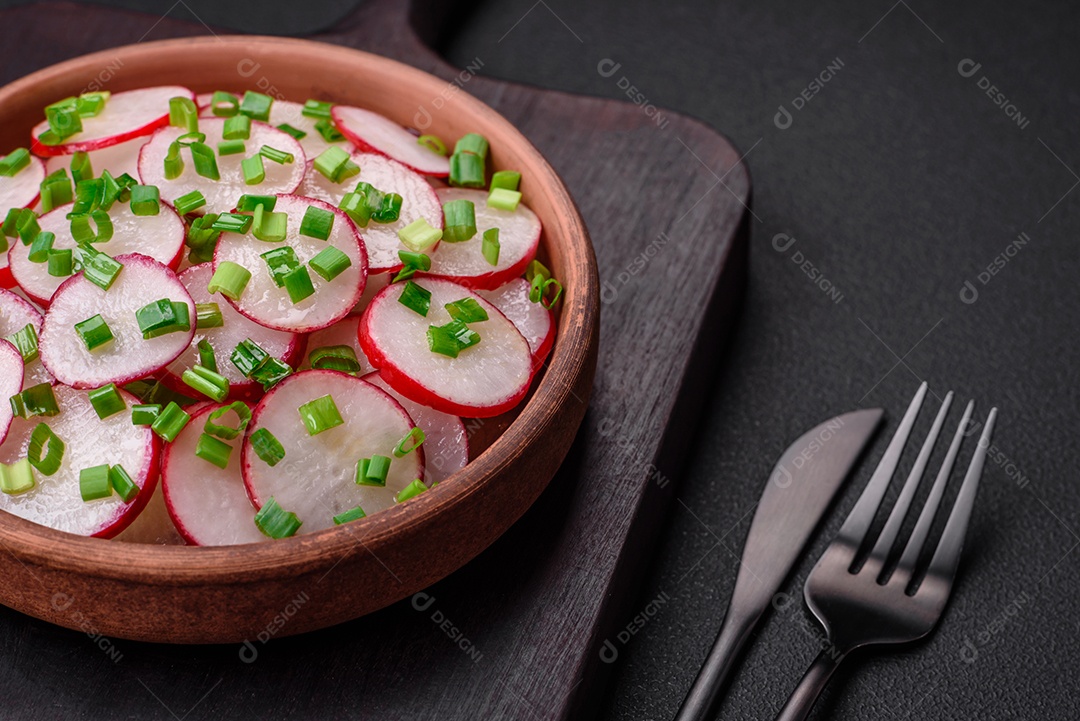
(485, 380)
(533, 320)
(371, 131)
(267, 304)
(15, 314)
(22, 189)
(11, 382)
(316, 479)
(117, 159)
(344, 332)
(289, 113)
(128, 356)
(89, 441)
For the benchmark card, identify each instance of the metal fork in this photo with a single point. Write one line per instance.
(863, 606)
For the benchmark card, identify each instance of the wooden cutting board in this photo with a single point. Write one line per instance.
(520, 632)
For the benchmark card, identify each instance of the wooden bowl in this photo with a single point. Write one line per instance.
(178, 594)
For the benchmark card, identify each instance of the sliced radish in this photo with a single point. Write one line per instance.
(7, 280)
(153, 525)
(89, 441)
(160, 237)
(316, 479)
(375, 283)
(221, 195)
(117, 159)
(11, 382)
(371, 131)
(208, 505)
(267, 304)
(290, 113)
(344, 332)
(202, 101)
(15, 314)
(22, 189)
(127, 115)
(533, 320)
(485, 380)
(519, 237)
(284, 346)
(446, 443)
(418, 201)
(128, 357)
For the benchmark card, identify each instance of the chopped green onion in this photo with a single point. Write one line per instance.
(504, 199)
(207, 359)
(467, 310)
(208, 315)
(189, 201)
(316, 109)
(88, 196)
(11, 222)
(415, 297)
(336, 358)
(213, 450)
(472, 143)
(111, 190)
(123, 484)
(188, 139)
(145, 200)
(268, 226)
(409, 443)
(184, 114)
(94, 483)
(248, 203)
(335, 165)
(26, 341)
(536, 288)
(81, 168)
(270, 373)
(490, 246)
(317, 223)
(372, 471)
(12, 163)
(156, 392)
(329, 133)
(256, 106)
(81, 231)
(418, 236)
(355, 206)
(536, 268)
(254, 172)
(280, 262)
(459, 220)
(232, 223)
(28, 226)
(320, 415)
(549, 304)
(205, 161)
(17, 477)
(237, 127)
(202, 238)
(35, 401)
(266, 447)
(467, 170)
(294, 132)
(90, 105)
(275, 522)
(210, 384)
(298, 284)
(170, 422)
(442, 341)
(465, 336)
(248, 356)
(163, 317)
(45, 462)
(174, 163)
(95, 332)
(145, 414)
(106, 401)
(353, 514)
(433, 143)
(330, 262)
(412, 490)
(508, 179)
(39, 249)
(231, 147)
(60, 263)
(278, 156)
(229, 279)
(63, 118)
(224, 105)
(379, 206)
(411, 262)
(226, 432)
(99, 268)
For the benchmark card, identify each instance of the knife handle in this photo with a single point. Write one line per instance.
(701, 702)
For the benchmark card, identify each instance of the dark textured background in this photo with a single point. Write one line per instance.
(899, 181)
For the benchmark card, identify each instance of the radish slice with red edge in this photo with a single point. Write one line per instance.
(485, 380)
(379, 134)
(418, 200)
(126, 115)
(464, 262)
(89, 441)
(23, 189)
(15, 314)
(153, 525)
(344, 332)
(7, 280)
(287, 347)
(316, 479)
(289, 113)
(11, 382)
(160, 237)
(267, 304)
(446, 443)
(533, 320)
(221, 195)
(208, 505)
(128, 356)
(117, 159)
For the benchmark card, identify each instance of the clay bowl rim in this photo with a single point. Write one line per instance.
(225, 565)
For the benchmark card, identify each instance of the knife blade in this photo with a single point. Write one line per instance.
(797, 495)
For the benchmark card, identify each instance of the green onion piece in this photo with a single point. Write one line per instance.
(333, 164)
(189, 201)
(188, 139)
(508, 179)
(294, 132)
(145, 414)
(278, 156)
(170, 422)
(411, 262)
(536, 288)
(39, 249)
(226, 432)
(95, 332)
(123, 484)
(174, 164)
(298, 284)
(280, 262)
(549, 304)
(237, 127)
(111, 190)
(412, 490)
(28, 226)
(372, 471)
(60, 263)
(231, 147)
(442, 341)
(415, 297)
(11, 221)
(208, 315)
(63, 118)
(106, 401)
(207, 359)
(379, 206)
(330, 263)
(98, 268)
(433, 143)
(224, 105)
(275, 522)
(269, 227)
(184, 114)
(266, 447)
(320, 415)
(232, 223)
(317, 223)
(353, 514)
(467, 310)
(256, 106)
(17, 477)
(210, 384)
(81, 168)
(202, 238)
(248, 356)
(409, 443)
(45, 462)
(94, 483)
(336, 358)
(329, 133)
(213, 450)
(156, 392)
(490, 246)
(26, 341)
(36, 400)
(12, 163)
(465, 336)
(202, 155)
(536, 268)
(418, 236)
(355, 206)
(459, 221)
(81, 231)
(145, 200)
(317, 109)
(163, 317)
(90, 105)
(472, 143)
(503, 199)
(270, 373)
(229, 279)
(254, 172)
(467, 170)
(88, 196)
(248, 203)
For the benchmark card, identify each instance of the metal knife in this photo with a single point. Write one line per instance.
(796, 497)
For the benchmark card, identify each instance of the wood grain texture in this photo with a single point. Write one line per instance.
(532, 611)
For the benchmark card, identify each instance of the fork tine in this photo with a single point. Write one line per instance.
(862, 515)
(891, 529)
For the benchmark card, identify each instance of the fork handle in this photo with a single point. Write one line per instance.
(810, 687)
